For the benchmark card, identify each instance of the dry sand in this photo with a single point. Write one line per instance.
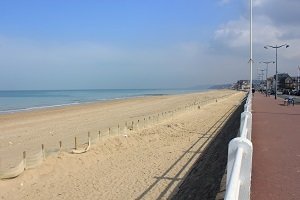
(146, 164)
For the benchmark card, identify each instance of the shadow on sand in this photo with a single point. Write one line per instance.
(191, 185)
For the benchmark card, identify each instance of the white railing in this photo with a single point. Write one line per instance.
(239, 163)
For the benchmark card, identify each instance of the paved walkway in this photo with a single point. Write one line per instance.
(276, 144)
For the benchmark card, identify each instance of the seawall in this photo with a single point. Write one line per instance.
(204, 181)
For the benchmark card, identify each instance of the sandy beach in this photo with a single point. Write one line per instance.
(145, 163)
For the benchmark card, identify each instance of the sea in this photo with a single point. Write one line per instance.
(25, 100)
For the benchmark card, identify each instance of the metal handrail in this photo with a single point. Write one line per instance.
(239, 163)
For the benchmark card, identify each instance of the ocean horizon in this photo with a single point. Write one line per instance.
(24, 100)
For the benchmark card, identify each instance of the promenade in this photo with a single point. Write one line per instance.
(276, 149)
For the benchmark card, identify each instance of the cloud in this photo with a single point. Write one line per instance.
(274, 20)
(223, 2)
(33, 52)
(274, 23)
(259, 3)
(281, 12)
(233, 33)
(87, 64)
(267, 29)
(81, 52)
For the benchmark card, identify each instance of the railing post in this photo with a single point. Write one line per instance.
(239, 163)
(244, 176)
(246, 122)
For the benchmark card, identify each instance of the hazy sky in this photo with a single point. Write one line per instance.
(75, 44)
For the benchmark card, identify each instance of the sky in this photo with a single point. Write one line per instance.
(125, 44)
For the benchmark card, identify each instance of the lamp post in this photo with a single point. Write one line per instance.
(267, 63)
(261, 75)
(276, 77)
(298, 78)
(251, 46)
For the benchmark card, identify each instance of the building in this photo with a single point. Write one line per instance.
(296, 82)
(243, 85)
(285, 82)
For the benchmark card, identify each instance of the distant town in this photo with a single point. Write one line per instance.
(286, 84)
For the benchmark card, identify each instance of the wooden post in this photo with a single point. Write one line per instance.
(43, 151)
(99, 135)
(24, 159)
(108, 131)
(118, 129)
(60, 145)
(75, 143)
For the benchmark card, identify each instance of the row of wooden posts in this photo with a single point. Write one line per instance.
(126, 126)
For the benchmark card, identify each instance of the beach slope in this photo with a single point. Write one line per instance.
(148, 162)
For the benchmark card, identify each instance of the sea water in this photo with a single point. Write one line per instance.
(15, 101)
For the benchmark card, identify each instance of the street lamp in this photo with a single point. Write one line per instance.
(276, 47)
(267, 63)
(298, 79)
(251, 46)
(261, 75)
